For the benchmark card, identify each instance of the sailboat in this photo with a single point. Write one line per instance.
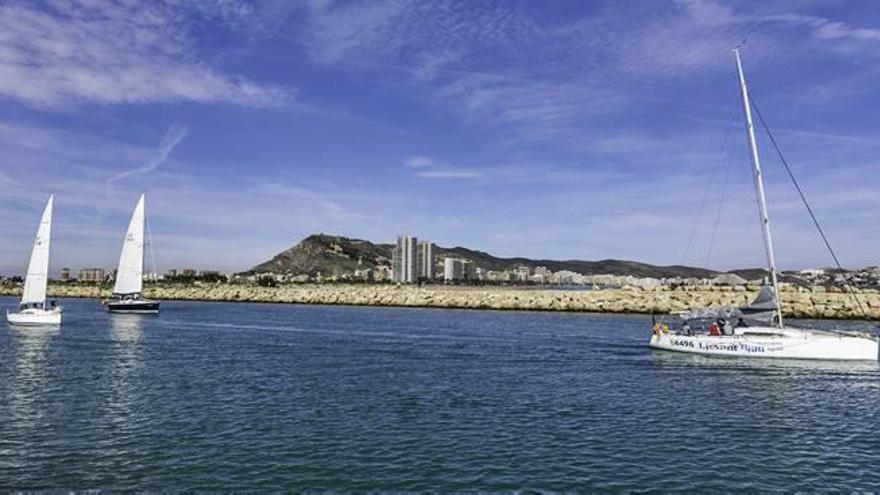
(35, 310)
(759, 329)
(129, 284)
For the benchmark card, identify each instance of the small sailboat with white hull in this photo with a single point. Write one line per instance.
(35, 310)
(128, 287)
(759, 330)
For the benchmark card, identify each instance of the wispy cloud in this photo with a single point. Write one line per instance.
(450, 173)
(530, 110)
(104, 52)
(827, 29)
(418, 161)
(172, 138)
(429, 168)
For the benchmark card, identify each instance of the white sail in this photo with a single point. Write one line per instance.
(130, 273)
(38, 269)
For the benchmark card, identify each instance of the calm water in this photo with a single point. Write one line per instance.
(217, 396)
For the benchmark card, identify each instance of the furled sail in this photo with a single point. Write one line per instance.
(130, 274)
(38, 268)
(761, 311)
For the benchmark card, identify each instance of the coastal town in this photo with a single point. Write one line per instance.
(335, 270)
(420, 262)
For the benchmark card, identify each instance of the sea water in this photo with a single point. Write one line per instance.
(210, 396)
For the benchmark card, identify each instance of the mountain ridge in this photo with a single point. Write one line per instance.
(332, 255)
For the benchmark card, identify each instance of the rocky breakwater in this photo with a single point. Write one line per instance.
(815, 302)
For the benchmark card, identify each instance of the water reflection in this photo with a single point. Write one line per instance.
(758, 388)
(30, 373)
(125, 369)
(675, 360)
(126, 328)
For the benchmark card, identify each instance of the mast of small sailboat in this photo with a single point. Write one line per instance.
(759, 186)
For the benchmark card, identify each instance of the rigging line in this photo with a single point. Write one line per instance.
(690, 240)
(155, 277)
(807, 204)
(720, 208)
(708, 189)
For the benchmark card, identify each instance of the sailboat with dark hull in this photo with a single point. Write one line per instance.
(128, 288)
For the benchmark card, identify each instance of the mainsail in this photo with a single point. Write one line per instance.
(130, 274)
(38, 269)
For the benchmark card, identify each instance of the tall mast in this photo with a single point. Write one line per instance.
(759, 186)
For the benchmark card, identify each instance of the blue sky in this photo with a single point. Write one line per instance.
(564, 129)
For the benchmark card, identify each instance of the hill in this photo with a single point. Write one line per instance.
(337, 255)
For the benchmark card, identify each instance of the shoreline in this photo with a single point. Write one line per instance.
(798, 302)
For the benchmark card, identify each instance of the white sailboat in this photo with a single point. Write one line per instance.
(128, 288)
(35, 309)
(770, 339)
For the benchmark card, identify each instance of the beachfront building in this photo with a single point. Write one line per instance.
(470, 270)
(457, 270)
(92, 275)
(425, 260)
(453, 270)
(403, 260)
(521, 273)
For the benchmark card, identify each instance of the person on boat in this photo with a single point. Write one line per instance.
(714, 330)
(741, 323)
(685, 328)
(656, 329)
(728, 328)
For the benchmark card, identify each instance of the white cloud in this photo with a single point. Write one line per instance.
(112, 52)
(172, 138)
(530, 110)
(450, 173)
(418, 161)
(429, 168)
(828, 29)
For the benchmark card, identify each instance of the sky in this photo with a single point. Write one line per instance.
(561, 129)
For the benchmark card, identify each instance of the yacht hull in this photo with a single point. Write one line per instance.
(771, 343)
(35, 317)
(138, 306)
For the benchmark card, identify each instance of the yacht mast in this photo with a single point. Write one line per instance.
(759, 187)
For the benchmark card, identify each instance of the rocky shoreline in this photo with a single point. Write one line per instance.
(799, 302)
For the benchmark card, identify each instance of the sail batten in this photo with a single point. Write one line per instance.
(38, 267)
(130, 273)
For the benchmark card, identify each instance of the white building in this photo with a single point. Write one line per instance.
(521, 273)
(425, 260)
(470, 270)
(453, 269)
(403, 259)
